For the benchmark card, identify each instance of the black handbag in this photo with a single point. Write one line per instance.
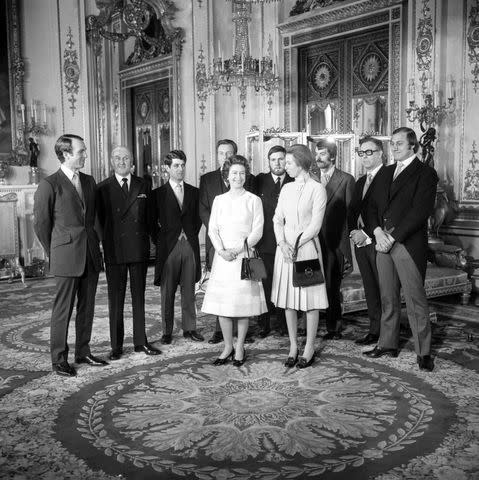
(252, 267)
(306, 272)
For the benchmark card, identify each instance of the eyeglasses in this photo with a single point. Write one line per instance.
(368, 153)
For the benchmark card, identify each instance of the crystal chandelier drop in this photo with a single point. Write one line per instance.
(241, 70)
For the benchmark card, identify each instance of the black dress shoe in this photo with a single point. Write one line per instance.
(291, 361)
(239, 363)
(369, 339)
(166, 339)
(426, 363)
(303, 363)
(216, 338)
(64, 369)
(222, 361)
(264, 333)
(249, 339)
(91, 360)
(148, 349)
(193, 335)
(377, 352)
(332, 336)
(115, 354)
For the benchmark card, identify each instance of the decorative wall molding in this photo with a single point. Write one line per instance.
(424, 42)
(473, 43)
(395, 77)
(471, 177)
(71, 71)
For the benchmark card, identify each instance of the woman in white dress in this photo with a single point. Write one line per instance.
(300, 210)
(235, 216)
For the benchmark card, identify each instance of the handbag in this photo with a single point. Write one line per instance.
(252, 267)
(306, 272)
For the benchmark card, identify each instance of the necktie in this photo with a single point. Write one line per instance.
(179, 194)
(277, 186)
(399, 167)
(368, 181)
(325, 178)
(124, 185)
(77, 185)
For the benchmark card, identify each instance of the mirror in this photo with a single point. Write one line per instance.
(12, 141)
(370, 115)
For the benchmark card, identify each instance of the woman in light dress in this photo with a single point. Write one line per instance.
(235, 216)
(300, 210)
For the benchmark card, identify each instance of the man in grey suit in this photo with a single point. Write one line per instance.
(334, 234)
(64, 213)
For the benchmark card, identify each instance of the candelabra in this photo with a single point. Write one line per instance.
(241, 70)
(34, 119)
(429, 111)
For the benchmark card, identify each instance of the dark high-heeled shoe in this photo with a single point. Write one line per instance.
(222, 361)
(303, 363)
(291, 361)
(239, 363)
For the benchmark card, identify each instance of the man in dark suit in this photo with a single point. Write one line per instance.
(403, 200)
(64, 213)
(334, 234)
(125, 223)
(268, 186)
(371, 152)
(211, 185)
(178, 250)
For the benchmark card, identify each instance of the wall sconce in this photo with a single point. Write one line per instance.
(429, 111)
(34, 119)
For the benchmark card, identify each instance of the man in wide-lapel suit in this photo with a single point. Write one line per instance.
(371, 152)
(125, 224)
(268, 186)
(176, 213)
(334, 234)
(211, 185)
(64, 213)
(403, 200)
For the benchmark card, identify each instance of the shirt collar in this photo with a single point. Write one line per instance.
(120, 178)
(67, 171)
(408, 161)
(275, 177)
(374, 170)
(174, 184)
(328, 172)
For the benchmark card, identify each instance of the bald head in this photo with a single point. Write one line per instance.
(121, 160)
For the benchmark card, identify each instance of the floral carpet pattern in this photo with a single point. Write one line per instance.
(178, 416)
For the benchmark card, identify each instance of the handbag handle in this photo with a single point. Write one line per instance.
(296, 247)
(246, 249)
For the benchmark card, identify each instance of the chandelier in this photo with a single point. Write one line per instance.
(241, 71)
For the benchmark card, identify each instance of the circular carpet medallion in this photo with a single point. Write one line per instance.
(185, 417)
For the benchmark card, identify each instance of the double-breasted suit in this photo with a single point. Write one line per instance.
(358, 215)
(402, 206)
(125, 223)
(177, 252)
(268, 191)
(335, 244)
(65, 225)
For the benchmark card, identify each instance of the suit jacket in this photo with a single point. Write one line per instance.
(211, 185)
(170, 220)
(125, 221)
(361, 206)
(65, 226)
(334, 231)
(265, 189)
(404, 205)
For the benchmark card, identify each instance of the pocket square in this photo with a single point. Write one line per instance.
(141, 195)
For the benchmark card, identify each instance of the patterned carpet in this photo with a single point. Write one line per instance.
(177, 416)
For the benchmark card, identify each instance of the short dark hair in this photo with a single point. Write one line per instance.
(227, 141)
(302, 155)
(330, 146)
(410, 135)
(64, 144)
(179, 154)
(234, 160)
(374, 140)
(276, 149)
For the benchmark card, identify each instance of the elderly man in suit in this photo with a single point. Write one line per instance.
(213, 184)
(334, 234)
(125, 223)
(371, 153)
(64, 213)
(178, 250)
(403, 200)
(268, 186)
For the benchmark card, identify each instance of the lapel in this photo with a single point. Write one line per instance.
(68, 185)
(368, 193)
(403, 178)
(221, 183)
(333, 184)
(186, 198)
(133, 192)
(171, 197)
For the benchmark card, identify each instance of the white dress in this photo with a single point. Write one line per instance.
(234, 218)
(300, 209)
